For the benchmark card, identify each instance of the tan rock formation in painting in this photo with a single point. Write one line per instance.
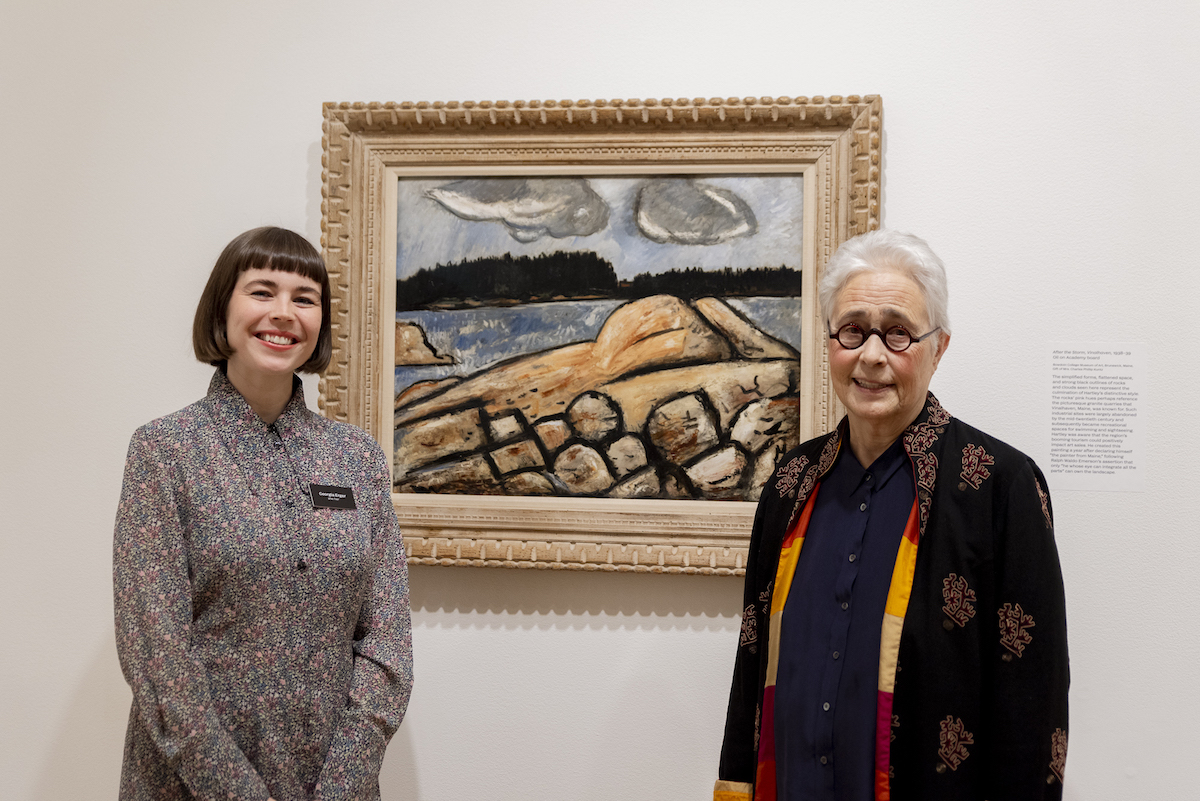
(747, 340)
(670, 400)
(652, 332)
(412, 347)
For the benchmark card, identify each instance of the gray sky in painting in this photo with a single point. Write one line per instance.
(427, 233)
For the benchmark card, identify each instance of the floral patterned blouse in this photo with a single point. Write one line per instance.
(266, 640)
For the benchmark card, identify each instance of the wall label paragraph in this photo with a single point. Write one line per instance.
(1096, 416)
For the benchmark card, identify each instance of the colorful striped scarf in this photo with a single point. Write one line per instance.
(889, 648)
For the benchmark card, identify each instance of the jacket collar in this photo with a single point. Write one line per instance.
(921, 443)
(920, 439)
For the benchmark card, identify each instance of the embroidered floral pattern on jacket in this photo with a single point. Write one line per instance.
(919, 441)
(1058, 753)
(953, 742)
(1013, 625)
(1045, 502)
(938, 416)
(789, 474)
(921, 436)
(749, 627)
(975, 465)
(827, 458)
(959, 598)
(828, 455)
(824, 462)
(926, 465)
(926, 500)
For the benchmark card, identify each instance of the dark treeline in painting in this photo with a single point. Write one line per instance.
(694, 282)
(520, 279)
(577, 275)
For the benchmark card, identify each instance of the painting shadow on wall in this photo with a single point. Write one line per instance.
(579, 599)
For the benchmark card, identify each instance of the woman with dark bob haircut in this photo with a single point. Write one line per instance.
(260, 584)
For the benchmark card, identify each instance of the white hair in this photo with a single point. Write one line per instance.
(888, 251)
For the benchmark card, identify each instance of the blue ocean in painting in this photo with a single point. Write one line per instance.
(479, 338)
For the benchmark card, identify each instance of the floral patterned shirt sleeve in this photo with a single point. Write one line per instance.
(266, 639)
(153, 601)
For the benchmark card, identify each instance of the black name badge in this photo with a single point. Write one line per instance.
(331, 497)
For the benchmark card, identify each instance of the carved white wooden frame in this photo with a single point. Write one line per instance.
(833, 141)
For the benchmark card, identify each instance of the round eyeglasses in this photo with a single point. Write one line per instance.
(852, 336)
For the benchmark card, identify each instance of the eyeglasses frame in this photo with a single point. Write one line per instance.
(882, 336)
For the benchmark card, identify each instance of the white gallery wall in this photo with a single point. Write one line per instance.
(1046, 151)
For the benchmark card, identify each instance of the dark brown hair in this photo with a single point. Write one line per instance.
(265, 248)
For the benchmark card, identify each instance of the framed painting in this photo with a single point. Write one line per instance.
(585, 331)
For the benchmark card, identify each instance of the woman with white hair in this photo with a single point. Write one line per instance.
(904, 625)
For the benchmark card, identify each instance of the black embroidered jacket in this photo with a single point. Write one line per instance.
(980, 697)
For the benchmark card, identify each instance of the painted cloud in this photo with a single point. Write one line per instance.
(682, 211)
(529, 207)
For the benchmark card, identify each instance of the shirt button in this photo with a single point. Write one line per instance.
(825, 706)
(836, 654)
(869, 478)
(302, 565)
(845, 605)
(862, 507)
(852, 557)
(824, 760)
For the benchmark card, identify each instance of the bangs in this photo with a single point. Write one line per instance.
(287, 252)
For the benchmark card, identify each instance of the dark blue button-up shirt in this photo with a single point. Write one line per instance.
(827, 685)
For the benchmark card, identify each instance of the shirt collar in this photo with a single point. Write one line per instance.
(850, 474)
(232, 411)
(888, 462)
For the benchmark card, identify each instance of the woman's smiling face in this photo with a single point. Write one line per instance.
(882, 390)
(272, 323)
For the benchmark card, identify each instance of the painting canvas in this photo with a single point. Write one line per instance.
(633, 336)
